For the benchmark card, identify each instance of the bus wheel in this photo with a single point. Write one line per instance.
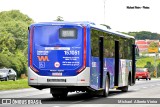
(106, 90)
(124, 89)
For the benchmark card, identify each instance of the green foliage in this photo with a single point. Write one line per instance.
(149, 66)
(10, 85)
(153, 45)
(13, 40)
(108, 27)
(158, 69)
(59, 18)
(142, 35)
(148, 62)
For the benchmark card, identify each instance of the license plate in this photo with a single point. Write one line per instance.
(140, 77)
(56, 80)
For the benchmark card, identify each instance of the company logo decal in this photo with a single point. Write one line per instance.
(43, 58)
(57, 64)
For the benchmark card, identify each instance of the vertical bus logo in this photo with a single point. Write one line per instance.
(43, 58)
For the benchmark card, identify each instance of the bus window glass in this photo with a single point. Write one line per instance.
(94, 43)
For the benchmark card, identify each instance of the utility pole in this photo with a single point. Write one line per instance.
(104, 10)
(155, 58)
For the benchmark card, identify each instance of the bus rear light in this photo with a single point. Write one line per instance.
(31, 78)
(84, 51)
(31, 46)
(82, 79)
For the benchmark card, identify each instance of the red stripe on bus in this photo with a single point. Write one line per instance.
(84, 52)
(31, 50)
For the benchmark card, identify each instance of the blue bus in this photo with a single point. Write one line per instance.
(79, 56)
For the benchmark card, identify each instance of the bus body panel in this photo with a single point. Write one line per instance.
(82, 79)
(125, 68)
(95, 72)
(57, 60)
(55, 56)
(109, 64)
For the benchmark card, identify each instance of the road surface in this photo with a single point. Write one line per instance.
(142, 89)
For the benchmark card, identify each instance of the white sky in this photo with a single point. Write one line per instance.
(117, 16)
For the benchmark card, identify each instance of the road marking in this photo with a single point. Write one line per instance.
(158, 84)
(56, 106)
(77, 101)
(152, 85)
(144, 87)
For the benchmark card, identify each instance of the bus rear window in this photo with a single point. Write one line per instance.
(68, 33)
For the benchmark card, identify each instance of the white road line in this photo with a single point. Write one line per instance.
(144, 87)
(56, 106)
(75, 102)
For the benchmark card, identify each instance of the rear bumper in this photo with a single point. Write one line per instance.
(82, 79)
(141, 77)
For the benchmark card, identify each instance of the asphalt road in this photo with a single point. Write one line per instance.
(143, 89)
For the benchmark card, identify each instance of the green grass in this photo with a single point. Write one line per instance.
(141, 62)
(18, 84)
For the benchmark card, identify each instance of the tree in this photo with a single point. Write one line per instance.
(142, 35)
(14, 40)
(59, 18)
(158, 70)
(153, 45)
(108, 27)
(150, 67)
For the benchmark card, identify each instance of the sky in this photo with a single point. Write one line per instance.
(111, 12)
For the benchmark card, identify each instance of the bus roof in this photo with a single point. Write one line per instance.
(86, 23)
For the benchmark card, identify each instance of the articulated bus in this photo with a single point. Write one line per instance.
(79, 56)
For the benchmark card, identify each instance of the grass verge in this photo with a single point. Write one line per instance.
(18, 84)
(141, 62)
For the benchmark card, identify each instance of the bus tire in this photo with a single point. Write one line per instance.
(106, 90)
(124, 89)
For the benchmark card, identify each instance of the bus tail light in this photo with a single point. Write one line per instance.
(31, 49)
(84, 51)
(82, 79)
(31, 78)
